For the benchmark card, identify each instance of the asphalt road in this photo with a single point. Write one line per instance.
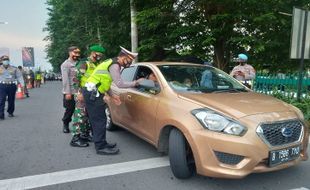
(36, 154)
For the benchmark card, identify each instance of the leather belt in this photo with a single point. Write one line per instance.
(7, 82)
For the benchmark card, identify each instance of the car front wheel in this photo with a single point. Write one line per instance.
(180, 155)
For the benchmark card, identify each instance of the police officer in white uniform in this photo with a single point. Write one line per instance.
(9, 78)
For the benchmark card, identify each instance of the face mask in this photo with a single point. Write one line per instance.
(75, 58)
(127, 63)
(6, 62)
(97, 57)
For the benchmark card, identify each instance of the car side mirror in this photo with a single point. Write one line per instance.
(149, 85)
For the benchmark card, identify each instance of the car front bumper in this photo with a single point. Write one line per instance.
(226, 156)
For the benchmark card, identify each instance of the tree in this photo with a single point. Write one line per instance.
(219, 29)
(214, 30)
(83, 23)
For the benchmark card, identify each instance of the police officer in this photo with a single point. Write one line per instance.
(97, 85)
(243, 72)
(9, 77)
(81, 127)
(69, 80)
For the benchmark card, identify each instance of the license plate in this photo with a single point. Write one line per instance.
(277, 157)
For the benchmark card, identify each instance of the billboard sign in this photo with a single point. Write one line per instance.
(28, 56)
(300, 34)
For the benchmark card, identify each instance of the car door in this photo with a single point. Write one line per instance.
(141, 108)
(120, 113)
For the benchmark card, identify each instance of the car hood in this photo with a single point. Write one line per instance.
(238, 105)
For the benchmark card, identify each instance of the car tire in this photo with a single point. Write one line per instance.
(110, 126)
(180, 155)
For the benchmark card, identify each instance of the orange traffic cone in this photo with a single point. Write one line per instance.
(19, 92)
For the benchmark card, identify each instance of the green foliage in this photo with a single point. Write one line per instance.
(86, 22)
(303, 105)
(212, 30)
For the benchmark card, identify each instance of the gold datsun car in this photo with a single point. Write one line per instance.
(208, 122)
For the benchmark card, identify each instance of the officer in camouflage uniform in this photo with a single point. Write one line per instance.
(81, 126)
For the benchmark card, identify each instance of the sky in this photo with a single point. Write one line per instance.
(26, 20)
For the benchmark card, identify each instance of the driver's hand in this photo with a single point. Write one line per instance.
(138, 81)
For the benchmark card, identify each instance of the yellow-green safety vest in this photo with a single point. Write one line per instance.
(101, 76)
(38, 76)
(90, 69)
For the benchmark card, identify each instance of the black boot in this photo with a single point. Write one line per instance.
(66, 128)
(107, 151)
(78, 142)
(86, 137)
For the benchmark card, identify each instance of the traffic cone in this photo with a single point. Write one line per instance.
(19, 92)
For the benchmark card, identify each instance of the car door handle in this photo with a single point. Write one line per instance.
(129, 97)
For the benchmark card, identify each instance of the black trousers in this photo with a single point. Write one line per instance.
(7, 90)
(69, 106)
(97, 118)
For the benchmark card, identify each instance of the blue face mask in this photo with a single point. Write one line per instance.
(6, 62)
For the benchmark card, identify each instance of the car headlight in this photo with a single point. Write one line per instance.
(217, 122)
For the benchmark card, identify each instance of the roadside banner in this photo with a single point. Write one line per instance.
(300, 41)
(28, 56)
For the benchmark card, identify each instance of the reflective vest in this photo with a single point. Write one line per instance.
(101, 76)
(90, 69)
(38, 76)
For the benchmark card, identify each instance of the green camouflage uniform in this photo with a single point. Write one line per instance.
(80, 119)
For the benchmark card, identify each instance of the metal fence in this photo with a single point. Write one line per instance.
(281, 83)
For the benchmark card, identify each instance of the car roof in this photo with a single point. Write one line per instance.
(167, 63)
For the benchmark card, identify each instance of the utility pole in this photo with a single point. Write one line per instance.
(134, 30)
(98, 35)
(301, 67)
(300, 43)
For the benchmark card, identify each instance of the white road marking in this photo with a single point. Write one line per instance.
(66, 176)
(301, 188)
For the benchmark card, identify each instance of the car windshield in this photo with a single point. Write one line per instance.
(199, 78)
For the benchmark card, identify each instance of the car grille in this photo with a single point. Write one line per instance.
(272, 133)
(226, 158)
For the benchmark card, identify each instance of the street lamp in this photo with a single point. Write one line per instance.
(1, 22)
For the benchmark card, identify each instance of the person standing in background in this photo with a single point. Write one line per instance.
(243, 72)
(31, 78)
(26, 92)
(38, 78)
(69, 80)
(9, 78)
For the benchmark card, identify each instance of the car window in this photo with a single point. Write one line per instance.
(198, 78)
(128, 74)
(147, 73)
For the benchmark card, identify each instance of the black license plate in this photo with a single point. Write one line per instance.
(277, 157)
